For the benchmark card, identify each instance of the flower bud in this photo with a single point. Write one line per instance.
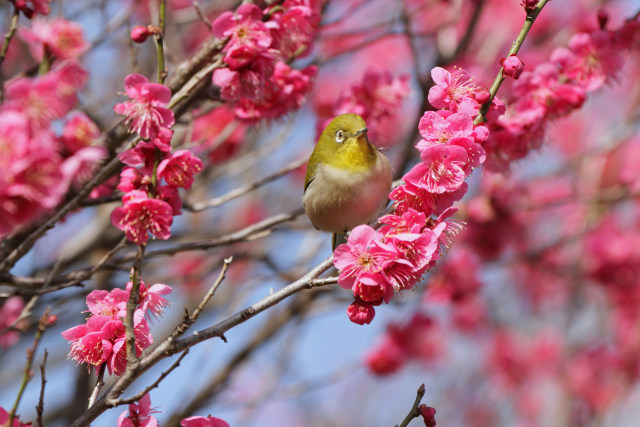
(529, 5)
(512, 66)
(482, 97)
(139, 34)
(429, 415)
(361, 312)
(603, 18)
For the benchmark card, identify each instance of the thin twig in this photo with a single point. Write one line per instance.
(170, 346)
(200, 15)
(132, 303)
(212, 290)
(26, 375)
(515, 47)
(162, 16)
(98, 386)
(240, 191)
(414, 413)
(153, 385)
(9, 35)
(43, 381)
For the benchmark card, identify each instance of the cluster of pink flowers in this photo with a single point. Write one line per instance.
(9, 312)
(140, 413)
(376, 98)
(102, 338)
(30, 7)
(419, 339)
(148, 206)
(374, 264)
(258, 79)
(58, 37)
(554, 89)
(38, 165)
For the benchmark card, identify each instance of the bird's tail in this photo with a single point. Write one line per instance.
(337, 239)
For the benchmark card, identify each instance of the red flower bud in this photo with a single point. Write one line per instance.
(429, 415)
(361, 312)
(483, 96)
(512, 66)
(139, 34)
(603, 18)
(529, 5)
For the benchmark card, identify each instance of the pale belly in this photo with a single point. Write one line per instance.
(337, 201)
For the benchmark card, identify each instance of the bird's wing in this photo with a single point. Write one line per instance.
(312, 168)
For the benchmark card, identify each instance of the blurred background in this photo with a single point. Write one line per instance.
(531, 319)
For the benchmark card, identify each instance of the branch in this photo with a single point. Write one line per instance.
(515, 47)
(153, 385)
(132, 302)
(43, 381)
(26, 375)
(162, 72)
(414, 413)
(98, 386)
(169, 346)
(240, 191)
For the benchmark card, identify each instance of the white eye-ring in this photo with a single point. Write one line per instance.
(339, 136)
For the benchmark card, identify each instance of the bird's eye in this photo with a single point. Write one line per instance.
(339, 136)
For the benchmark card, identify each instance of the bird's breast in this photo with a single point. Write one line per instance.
(337, 200)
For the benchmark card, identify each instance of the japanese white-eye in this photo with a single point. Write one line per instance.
(348, 180)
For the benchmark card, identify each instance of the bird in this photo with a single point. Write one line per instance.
(348, 179)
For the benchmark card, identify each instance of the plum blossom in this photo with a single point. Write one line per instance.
(442, 169)
(512, 66)
(79, 131)
(203, 422)
(179, 169)
(102, 338)
(146, 111)
(248, 35)
(139, 414)
(4, 419)
(140, 215)
(59, 37)
(30, 7)
(9, 312)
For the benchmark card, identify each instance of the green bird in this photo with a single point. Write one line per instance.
(348, 179)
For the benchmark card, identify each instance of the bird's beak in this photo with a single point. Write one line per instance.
(360, 132)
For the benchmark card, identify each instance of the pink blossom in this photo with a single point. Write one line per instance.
(111, 304)
(146, 112)
(9, 312)
(450, 89)
(361, 312)
(4, 419)
(411, 196)
(79, 132)
(150, 299)
(135, 179)
(285, 91)
(293, 30)
(386, 358)
(372, 287)
(59, 37)
(88, 342)
(46, 98)
(139, 34)
(117, 362)
(180, 168)
(512, 66)
(140, 215)
(441, 171)
(591, 60)
(438, 129)
(364, 252)
(204, 422)
(31, 179)
(79, 167)
(418, 250)
(170, 195)
(30, 7)
(248, 82)
(248, 35)
(139, 414)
